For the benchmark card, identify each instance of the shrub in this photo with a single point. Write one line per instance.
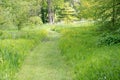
(107, 26)
(53, 28)
(109, 39)
(35, 20)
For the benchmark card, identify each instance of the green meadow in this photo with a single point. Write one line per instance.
(59, 39)
(74, 51)
(89, 60)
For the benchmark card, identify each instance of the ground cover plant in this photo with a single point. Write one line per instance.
(14, 46)
(89, 61)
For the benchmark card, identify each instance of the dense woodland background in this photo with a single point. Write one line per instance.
(19, 13)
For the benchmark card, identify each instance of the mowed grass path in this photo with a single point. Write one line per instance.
(45, 62)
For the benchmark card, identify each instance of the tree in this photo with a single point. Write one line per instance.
(67, 13)
(105, 12)
(49, 10)
(110, 12)
(17, 12)
(44, 11)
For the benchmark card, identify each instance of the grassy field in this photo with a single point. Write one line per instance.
(77, 48)
(88, 60)
(45, 62)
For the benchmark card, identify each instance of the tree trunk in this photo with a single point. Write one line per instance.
(50, 12)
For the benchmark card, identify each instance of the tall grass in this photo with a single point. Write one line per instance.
(12, 53)
(88, 60)
(27, 34)
(14, 46)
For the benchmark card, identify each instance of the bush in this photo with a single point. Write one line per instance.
(107, 26)
(35, 20)
(109, 39)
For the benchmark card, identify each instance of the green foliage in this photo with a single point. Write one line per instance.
(35, 20)
(67, 13)
(54, 6)
(87, 60)
(17, 12)
(87, 9)
(12, 53)
(14, 46)
(108, 14)
(109, 39)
